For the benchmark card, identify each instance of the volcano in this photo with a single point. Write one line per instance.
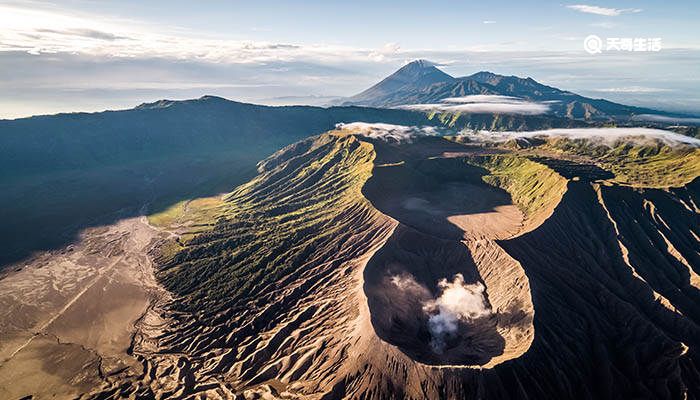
(422, 82)
(361, 265)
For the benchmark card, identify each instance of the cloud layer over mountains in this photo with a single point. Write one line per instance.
(400, 133)
(602, 135)
(388, 132)
(483, 104)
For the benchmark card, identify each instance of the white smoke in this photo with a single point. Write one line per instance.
(457, 302)
(606, 136)
(405, 282)
(388, 132)
(482, 104)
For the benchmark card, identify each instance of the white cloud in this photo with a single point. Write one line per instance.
(49, 31)
(488, 22)
(388, 132)
(631, 89)
(608, 12)
(392, 47)
(483, 98)
(458, 301)
(482, 104)
(663, 118)
(602, 135)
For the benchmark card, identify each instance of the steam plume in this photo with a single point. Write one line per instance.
(457, 302)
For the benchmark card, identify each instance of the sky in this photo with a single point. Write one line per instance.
(89, 55)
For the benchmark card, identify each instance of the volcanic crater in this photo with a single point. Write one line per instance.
(441, 289)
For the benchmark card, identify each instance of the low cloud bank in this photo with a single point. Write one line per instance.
(483, 98)
(602, 135)
(482, 104)
(388, 132)
(663, 118)
(607, 136)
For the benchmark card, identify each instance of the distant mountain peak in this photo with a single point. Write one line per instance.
(422, 63)
(416, 75)
(484, 76)
(164, 103)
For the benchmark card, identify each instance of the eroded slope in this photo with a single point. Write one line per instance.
(290, 287)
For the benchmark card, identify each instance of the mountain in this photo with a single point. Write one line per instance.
(408, 79)
(408, 86)
(358, 267)
(165, 128)
(67, 171)
(60, 173)
(355, 261)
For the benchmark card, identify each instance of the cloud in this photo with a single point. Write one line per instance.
(392, 47)
(401, 133)
(663, 118)
(631, 89)
(51, 31)
(457, 302)
(484, 98)
(85, 33)
(482, 104)
(388, 132)
(488, 22)
(608, 12)
(607, 136)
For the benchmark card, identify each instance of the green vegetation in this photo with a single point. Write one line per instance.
(305, 205)
(644, 162)
(648, 164)
(497, 122)
(189, 217)
(534, 187)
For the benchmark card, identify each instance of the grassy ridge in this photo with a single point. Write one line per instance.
(533, 187)
(301, 209)
(648, 164)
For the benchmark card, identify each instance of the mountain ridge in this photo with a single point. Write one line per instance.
(562, 103)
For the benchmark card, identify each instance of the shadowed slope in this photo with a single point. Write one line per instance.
(599, 324)
(62, 173)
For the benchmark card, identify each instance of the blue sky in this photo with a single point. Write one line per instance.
(83, 55)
